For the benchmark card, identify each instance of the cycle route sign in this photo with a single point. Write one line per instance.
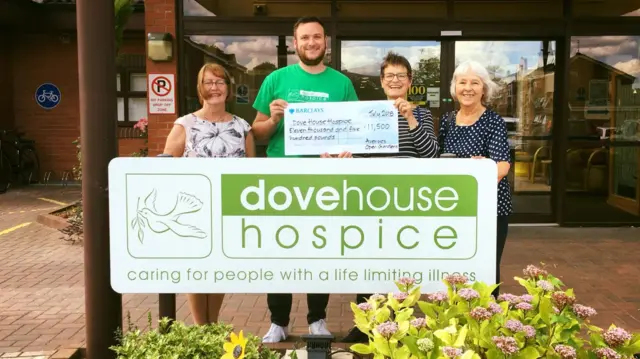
(48, 96)
(308, 225)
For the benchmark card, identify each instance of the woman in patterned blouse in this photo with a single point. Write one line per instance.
(210, 132)
(474, 131)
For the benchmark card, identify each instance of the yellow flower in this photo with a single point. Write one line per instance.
(234, 349)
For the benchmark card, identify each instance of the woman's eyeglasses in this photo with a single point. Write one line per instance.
(219, 83)
(401, 76)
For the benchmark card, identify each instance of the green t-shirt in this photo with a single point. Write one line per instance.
(295, 85)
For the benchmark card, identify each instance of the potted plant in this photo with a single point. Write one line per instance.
(467, 322)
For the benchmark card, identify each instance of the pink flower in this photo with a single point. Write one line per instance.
(377, 297)
(507, 345)
(565, 351)
(584, 312)
(507, 297)
(387, 329)
(514, 325)
(495, 308)
(534, 272)
(616, 337)
(451, 352)
(400, 296)
(364, 306)
(480, 314)
(561, 299)
(438, 296)
(529, 331)
(468, 294)
(545, 285)
(524, 306)
(419, 323)
(455, 279)
(141, 124)
(607, 353)
(406, 281)
(526, 298)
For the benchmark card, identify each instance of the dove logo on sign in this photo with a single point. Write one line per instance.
(169, 218)
(149, 217)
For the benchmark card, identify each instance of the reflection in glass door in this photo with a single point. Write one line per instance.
(524, 73)
(361, 60)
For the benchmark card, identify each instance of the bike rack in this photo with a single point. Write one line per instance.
(65, 178)
(46, 178)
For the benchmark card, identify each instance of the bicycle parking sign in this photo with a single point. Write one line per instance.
(48, 96)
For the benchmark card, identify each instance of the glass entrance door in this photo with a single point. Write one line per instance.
(361, 60)
(524, 72)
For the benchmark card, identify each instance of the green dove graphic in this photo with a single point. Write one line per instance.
(149, 217)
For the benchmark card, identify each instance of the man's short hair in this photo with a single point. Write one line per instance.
(308, 20)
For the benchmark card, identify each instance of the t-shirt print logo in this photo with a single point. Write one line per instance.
(299, 95)
(150, 218)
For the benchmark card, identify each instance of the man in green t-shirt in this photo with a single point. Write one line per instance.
(308, 81)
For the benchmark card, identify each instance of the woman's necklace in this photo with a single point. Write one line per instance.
(219, 119)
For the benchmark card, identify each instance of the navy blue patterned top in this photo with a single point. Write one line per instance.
(487, 137)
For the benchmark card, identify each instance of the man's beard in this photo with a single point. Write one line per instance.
(311, 62)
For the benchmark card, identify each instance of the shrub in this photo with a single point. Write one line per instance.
(179, 341)
(467, 322)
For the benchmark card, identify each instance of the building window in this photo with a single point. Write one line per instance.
(132, 96)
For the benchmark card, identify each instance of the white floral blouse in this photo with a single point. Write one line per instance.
(214, 139)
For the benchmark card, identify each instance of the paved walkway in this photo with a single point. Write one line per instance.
(42, 294)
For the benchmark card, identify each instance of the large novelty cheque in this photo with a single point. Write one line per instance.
(334, 127)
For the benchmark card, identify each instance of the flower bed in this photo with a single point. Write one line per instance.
(467, 322)
(215, 341)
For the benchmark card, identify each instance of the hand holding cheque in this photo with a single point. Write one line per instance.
(340, 127)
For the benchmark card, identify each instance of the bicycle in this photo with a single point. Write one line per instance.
(18, 160)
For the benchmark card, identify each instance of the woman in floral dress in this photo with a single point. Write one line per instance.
(210, 132)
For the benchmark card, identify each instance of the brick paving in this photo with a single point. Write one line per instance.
(42, 294)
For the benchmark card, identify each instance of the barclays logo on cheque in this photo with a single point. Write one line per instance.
(305, 110)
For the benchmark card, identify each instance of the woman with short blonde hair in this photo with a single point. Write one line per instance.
(475, 131)
(210, 132)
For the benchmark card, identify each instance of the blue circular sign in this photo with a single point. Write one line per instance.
(48, 96)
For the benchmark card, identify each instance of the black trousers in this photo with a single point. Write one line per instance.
(280, 307)
(502, 228)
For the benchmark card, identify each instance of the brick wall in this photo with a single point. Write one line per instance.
(6, 79)
(160, 17)
(127, 146)
(46, 58)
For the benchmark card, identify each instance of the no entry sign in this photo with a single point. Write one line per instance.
(161, 94)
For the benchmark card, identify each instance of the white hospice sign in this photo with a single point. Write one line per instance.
(334, 127)
(299, 225)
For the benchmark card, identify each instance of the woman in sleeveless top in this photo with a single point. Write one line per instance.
(210, 132)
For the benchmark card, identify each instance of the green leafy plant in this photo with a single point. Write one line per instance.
(467, 322)
(123, 10)
(176, 340)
